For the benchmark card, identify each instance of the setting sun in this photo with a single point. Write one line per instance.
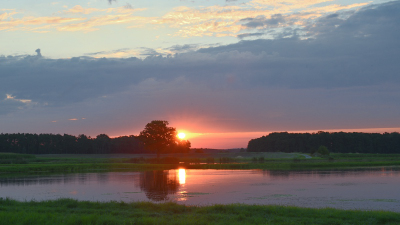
(181, 135)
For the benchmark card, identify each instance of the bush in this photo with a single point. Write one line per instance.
(225, 160)
(313, 150)
(323, 150)
(199, 151)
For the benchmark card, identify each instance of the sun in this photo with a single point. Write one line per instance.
(181, 135)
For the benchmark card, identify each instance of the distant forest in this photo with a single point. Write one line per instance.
(69, 144)
(337, 142)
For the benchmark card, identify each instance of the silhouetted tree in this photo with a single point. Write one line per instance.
(102, 143)
(337, 142)
(68, 144)
(159, 138)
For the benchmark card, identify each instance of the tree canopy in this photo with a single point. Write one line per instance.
(336, 142)
(69, 144)
(158, 137)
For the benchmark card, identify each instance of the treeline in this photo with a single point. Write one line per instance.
(337, 142)
(68, 144)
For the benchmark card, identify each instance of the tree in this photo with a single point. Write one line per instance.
(102, 143)
(182, 146)
(158, 137)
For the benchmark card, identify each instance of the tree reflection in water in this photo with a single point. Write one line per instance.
(157, 184)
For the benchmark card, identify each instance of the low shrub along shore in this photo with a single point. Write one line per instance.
(68, 211)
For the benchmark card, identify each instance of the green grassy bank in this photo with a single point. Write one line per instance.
(20, 163)
(67, 211)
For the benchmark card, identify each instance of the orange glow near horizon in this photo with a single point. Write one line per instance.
(226, 140)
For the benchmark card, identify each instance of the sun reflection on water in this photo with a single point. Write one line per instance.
(182, 176)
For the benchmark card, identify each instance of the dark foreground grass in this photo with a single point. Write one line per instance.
(67, 211)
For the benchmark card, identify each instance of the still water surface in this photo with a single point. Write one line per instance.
(376, 189)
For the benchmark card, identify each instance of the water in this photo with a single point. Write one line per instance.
(368, 189)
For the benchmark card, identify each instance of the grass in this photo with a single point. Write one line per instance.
(23, 163)
(68, 211)
(12, 158)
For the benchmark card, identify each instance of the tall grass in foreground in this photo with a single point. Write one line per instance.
(67, 211)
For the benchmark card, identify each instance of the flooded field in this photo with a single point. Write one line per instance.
(367, 189)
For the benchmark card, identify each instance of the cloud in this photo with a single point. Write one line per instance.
(97, 21)
(261, 21)
(340, 54)
(12, 98)
(30, 23)
(221, 21)
(128, 6)
(289, 4)
(216, 20)
(80, 10)
(96, 18)
(340, 76)
(245, 35)
(184, 48)
(150, 52)
(334, 8)
(38, 52)
(11, 104)
(118, 53)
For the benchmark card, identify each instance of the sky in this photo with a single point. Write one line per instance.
(222, 71)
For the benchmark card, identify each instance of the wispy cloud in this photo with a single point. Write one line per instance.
(11, 104)
(334, 8)
(80, 10)
(226, 20)
(30, 23)
(75, 22)
(94, 23)
(118, 53)
(288, 4)
(13, 98)
(218, 21)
